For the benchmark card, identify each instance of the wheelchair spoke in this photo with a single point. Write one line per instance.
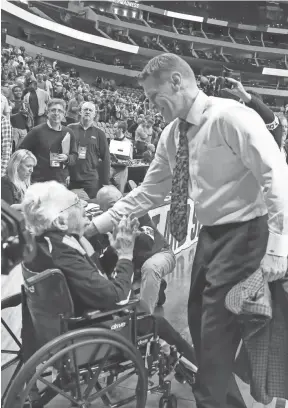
(94, 380)
(10, 363)
(105, 398)
(96, 351)
(57, 390)
(78, 387)
(11, 333)
(104, 391)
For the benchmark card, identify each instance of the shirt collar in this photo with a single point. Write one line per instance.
(49, 125)
(197, 108)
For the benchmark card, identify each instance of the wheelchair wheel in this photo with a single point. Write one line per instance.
(11, 366)
(74, 367)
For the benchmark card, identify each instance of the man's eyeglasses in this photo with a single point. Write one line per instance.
(56, 111)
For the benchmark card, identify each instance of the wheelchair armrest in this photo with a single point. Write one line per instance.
(11, 301)
(39, 277)
(97, 314)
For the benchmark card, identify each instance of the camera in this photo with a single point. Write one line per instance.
(17, 243)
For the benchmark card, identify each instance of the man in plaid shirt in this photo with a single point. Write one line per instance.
(6, 143)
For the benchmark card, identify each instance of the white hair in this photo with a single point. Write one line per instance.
(88, 103)
(42, 204)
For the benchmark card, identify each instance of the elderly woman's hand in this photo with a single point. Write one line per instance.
(123, 237)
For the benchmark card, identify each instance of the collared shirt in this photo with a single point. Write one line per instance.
(6, 143)
(236, 171)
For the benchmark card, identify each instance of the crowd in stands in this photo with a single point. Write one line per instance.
(121, 113)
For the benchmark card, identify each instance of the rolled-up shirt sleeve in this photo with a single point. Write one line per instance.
(246, 134)
(150, 194)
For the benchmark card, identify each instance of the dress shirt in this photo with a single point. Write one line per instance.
(237, 172)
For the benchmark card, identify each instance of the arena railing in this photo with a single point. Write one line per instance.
(188, 17)
(66, 31)
(133, 49)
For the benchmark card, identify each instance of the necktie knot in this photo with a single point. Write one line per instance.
(183, 127)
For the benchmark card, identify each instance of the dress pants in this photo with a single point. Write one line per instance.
(225, 255)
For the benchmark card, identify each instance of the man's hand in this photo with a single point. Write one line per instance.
(238, 90)
(274, 267)
(123, 237)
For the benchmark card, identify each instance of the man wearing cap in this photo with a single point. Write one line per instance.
(93, 153)
(37, 100)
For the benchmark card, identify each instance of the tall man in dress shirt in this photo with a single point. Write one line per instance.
(212, 152)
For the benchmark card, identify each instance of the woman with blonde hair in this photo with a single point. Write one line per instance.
(17, 179)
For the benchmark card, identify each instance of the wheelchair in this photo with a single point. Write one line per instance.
(97, 356)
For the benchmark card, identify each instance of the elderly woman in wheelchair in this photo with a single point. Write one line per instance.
(84, 337)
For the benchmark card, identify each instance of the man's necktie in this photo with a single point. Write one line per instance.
(179, 195)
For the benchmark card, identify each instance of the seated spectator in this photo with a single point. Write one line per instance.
(152, 257)
(18, 177)
(149, 154)
(119, 171)
(57, 218)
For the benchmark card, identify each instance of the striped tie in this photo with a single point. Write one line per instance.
(179, 195)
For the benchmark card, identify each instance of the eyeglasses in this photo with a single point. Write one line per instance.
(56, 111)
(77, 202)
